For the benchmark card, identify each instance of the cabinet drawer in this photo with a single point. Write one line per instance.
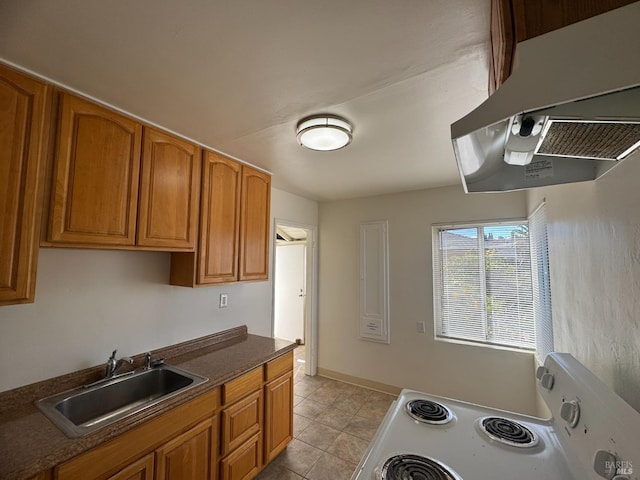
(240, 422)
(244, 463)
(241, 386)
(278, 366)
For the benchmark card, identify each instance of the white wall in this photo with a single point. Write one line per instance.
(89, 302)
(488, 376)
(594, 255)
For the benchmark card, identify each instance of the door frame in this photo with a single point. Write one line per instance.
(311, 304)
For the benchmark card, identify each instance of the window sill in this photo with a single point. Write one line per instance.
(485, 345)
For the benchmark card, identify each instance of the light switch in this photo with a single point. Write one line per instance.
(224, 300)
(421, 327)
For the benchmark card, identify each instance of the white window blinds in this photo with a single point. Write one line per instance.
(541, 282)
(483, 284)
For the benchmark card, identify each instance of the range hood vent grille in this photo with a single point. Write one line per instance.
(595, 140)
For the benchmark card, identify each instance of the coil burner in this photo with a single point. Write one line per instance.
(426, 411)
(415, 467)
(508, 432)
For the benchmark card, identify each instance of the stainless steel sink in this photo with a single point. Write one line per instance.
(83, 410)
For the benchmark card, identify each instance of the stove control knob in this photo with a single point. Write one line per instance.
(547, 381)
(604, 463)
(540, 371)
(570, 412)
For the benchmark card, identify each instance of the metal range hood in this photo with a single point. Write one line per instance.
(569, 112)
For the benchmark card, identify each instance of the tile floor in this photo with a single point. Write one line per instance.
(333, 423)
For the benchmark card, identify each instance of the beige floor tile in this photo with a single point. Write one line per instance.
(308, 408)
(297, 399)
(299, 424)
(319, 435)
(304, 389)
(361, 427)
(278, 472)
(350, 404)
(348, 447)
(334, 418)
(329, 467)
(298, 457)
(325, 394)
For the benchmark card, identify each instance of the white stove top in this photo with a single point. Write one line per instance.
(562, 452)
(461, 446)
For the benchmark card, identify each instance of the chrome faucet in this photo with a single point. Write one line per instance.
(114, 365)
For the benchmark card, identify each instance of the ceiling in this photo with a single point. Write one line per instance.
(237, 76)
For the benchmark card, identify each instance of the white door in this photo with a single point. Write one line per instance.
(290, 294)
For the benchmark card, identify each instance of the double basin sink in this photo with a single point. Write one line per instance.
(83, 410)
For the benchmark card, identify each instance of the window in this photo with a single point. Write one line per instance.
(483, 288)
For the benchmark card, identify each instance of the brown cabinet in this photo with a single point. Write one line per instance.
(104, 194)
(241, 426)
(24, 111)
(182, 443)
(139, 470)
(229, 433)
(254, 227)
(220, 220)
(514, 21)
(240, 421)
(96, 175)
(278, 405)
(278, 415)
(169, 192)
(190, 456)
(244, 463)
(234, 226)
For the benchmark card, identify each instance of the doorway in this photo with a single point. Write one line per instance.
(294, 290)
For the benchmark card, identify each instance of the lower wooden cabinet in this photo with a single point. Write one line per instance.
(278, 415)
(245, 462)
(139, 470)
(240, 422)
(190, 456)
(229, 433)
(180, 441)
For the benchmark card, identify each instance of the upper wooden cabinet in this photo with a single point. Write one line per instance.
(234, 226)
(169, 192)
(220, 220)
(513, 21)
(254, 229)
(101, 197)
(24, 109)
(96, 176)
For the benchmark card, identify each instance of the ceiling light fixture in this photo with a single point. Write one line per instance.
(324, 132)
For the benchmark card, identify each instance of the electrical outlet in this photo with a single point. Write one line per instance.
(224, 300)
(421, 327)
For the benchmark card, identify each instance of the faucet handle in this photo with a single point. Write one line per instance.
(113, 355)
(147, 360)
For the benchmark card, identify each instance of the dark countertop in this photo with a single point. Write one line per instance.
(30, 443)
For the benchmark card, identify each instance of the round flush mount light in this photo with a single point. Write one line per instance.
(324, 132)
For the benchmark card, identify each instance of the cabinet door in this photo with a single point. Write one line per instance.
(255, 226)
(241, 421)
(95, 186)
(23, 108)
(169, 186)
(190, 456)
(244, 463)
(220, 219)
(278, 413)
(139, 470)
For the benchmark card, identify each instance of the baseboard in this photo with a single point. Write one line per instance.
(361, 382)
